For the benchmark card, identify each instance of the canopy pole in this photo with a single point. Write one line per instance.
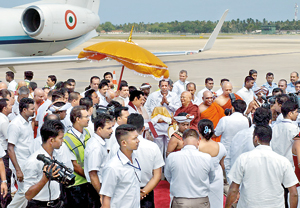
(121, 77)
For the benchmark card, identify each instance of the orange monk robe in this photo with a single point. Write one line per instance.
(192, 110)
(228, 104)
(213, 113)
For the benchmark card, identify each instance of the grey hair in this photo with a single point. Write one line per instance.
(23, 90)
(183, 71)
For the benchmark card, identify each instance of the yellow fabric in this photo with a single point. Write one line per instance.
(130, 55)
(160, 111)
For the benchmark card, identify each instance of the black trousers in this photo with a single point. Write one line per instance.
(39, 204)
(5, 201)
(80, 196)
(148, 201)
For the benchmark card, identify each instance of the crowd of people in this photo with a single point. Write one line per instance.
(121, 141)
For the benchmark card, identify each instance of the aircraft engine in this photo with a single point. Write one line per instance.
(52, 22)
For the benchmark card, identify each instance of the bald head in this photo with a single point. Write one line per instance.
(110, 94)
(185, 98)
(3, 86)
(207, 98)
(22, 84)
(39, 95)
(227, 88)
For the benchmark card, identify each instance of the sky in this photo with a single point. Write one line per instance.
(150, 11)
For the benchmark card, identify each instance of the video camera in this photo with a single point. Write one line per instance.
(295, 97)
(66, 175)
(228, 111)
(267, 104)
(99, 109)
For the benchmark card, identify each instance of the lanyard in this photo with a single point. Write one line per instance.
(139, 167)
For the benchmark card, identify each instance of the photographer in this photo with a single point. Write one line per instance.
(39, 191)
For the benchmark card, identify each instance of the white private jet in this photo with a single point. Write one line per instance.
(31, 32)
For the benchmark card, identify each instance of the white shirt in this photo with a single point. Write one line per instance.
(132, 110)
(33, 173)
(246, 95)
(283, 135)
(20, 134)
(228, 126)
(41, 112)
(2, 152)
(189, 172)
(95, 156)
(91, 127)
(126, 100)
(14, 111)
(200, 93)
(12, 86)
(154, 100)
(67, 120)
(196, 101)
(112, 141)
(102, 100)
(150, 158)
(3, 130)
(121, 181)
(179, 87)
(261, 173)
(219, 92)
(242, 142)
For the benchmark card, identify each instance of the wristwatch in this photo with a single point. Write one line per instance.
(5, 181)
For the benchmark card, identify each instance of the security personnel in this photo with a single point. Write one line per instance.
(82, 193)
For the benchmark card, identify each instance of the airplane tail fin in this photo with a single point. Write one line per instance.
(215, 33)
(92, 5)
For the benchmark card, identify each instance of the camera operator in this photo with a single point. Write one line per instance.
(258, 102)
(39, 191)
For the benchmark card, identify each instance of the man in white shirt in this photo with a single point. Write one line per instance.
(282, 84)
(220, 91)
(246, 93)
(73, 99)
(209, 85)
(103, 87)
(181, 169)
(20, 138)
(10, 78)
(51, 81)
(180, 86)
(191, 87)
(82, 193)
(136, 99)
(23, 92)
(285, 131)
(124, 93)
(95, 155)
(150, 159)
(94, 84)
(5, 109)
(169, 100)
(291, 86)
(277, 115)
(260, 175)
(3, 186)
(39, 191)
(243, 140)
(120, 114)
(270, 85)
(228, 126)
(122, 174)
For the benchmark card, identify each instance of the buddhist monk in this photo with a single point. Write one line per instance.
(189, 108)
(224, 99)
(210, 110)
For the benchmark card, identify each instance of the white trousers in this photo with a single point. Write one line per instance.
(162, 142)
(19, 200)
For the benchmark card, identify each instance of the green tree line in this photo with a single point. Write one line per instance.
(233, 26)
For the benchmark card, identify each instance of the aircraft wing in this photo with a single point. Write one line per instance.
(209, 44)
(15, 61)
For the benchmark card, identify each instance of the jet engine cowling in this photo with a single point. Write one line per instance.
(53, 22)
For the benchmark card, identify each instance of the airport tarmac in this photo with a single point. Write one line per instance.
(229, 58)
